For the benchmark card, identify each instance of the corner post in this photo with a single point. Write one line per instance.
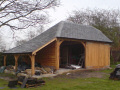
(5, 56)
(58, 43)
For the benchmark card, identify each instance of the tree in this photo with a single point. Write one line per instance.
(105, 20)
(21, 14)
(31, 33)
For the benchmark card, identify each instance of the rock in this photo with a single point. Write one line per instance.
(28, 71)
(9, 71)
(48, 70)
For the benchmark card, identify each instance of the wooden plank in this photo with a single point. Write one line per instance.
(24, 82)
(97, 55)
(47, 55)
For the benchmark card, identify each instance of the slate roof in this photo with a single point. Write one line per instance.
(62, 30)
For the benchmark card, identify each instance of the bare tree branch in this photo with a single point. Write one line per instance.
(24, 11)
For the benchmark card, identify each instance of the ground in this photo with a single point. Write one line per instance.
(75, 80)
(82, 74)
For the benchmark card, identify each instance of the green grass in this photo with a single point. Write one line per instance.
(7, 75)
(61, 83)
(3, 83)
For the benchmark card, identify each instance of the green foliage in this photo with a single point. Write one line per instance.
(111, 60)
(10, 60)
(112, 33)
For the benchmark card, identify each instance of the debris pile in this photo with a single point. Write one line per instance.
(25, 69)
(30, 82)
(72, 66)
(44, 70)
(39, 70)
(115, 75)
(2, 69)
(26, 82)
(10, 69)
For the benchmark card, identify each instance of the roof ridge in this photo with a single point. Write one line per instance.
(58, 33)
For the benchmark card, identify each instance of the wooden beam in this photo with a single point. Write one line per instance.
(68, 39)
(32, 57)
(34, 53)
(16, 61)
(5, 56)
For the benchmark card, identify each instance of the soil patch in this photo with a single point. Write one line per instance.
(82, 74)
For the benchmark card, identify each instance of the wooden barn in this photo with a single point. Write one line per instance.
(64, 44)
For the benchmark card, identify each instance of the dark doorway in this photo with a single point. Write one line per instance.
(72, 53)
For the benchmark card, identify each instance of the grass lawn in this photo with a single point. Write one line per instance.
(66, 82)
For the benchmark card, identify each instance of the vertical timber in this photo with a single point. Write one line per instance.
(5, 56)
(16, 61)
(58, 43)
(32, 57)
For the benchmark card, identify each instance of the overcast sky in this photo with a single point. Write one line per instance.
(67, 6)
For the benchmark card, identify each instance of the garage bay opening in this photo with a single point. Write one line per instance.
(72, 54)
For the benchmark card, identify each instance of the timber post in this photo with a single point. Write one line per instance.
(58, 43)
(5, 56)
(32, 57)
(16, 61)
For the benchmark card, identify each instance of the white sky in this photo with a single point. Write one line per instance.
(67, 6)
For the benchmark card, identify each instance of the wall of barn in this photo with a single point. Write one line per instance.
(47, 56)
(97, 55)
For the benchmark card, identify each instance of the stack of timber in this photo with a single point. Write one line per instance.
(29, 82)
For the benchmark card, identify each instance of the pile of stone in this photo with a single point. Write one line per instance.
(9, 69)
(38, 71)
(25, 70)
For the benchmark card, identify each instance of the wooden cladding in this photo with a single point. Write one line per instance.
(97, 55)
(46, 56)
